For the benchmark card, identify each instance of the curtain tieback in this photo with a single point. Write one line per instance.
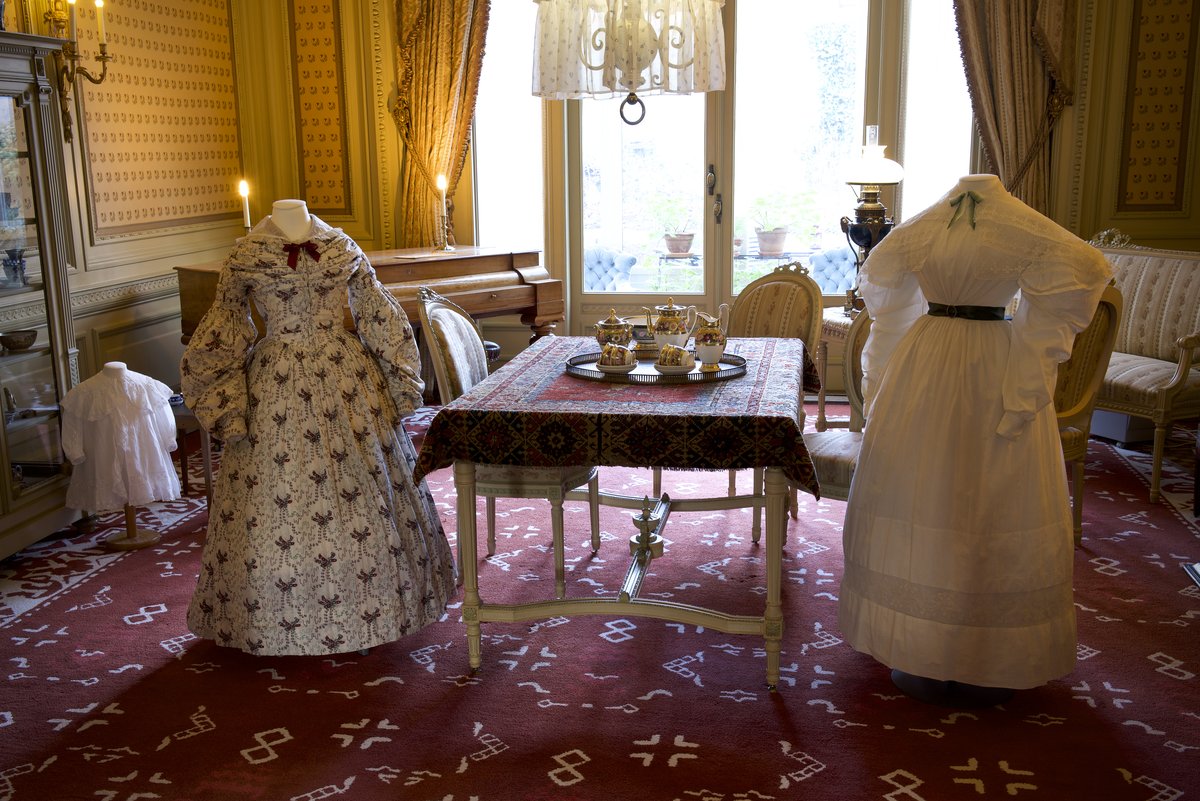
(966, 312)
(293, 250)
(972, 199)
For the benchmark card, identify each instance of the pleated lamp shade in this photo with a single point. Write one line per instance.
(608, 48)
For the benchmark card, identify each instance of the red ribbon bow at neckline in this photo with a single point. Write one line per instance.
(293, 250)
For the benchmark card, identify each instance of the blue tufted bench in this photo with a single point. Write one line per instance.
(833, 270)
(605, 270)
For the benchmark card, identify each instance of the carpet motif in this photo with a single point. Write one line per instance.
(107, 695)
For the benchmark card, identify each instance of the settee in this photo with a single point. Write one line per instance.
(835, 270)
(1153, 373)
(606, 270)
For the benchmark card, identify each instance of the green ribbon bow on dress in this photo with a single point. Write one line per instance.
(973, 199)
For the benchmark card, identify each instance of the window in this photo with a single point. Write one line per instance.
(507, 145)
(938, 125)
(776, 140)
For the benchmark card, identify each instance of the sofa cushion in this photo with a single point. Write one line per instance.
(1133, 379)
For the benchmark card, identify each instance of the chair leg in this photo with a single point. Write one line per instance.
(594, 502)
(560, 572)
(732, 483)
(491, 524)
(756, 524)
(1160, 441)
(1077, 499)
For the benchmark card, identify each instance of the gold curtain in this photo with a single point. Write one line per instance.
(1019, 57)
(440, 45)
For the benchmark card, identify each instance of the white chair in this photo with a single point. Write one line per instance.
(1079, 379)
(459, 363)
(834, 452)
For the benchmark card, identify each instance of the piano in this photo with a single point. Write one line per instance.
(487, 282)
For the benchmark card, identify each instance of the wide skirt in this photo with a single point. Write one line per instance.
(319, 541)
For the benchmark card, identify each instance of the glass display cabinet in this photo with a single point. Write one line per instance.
(38, 358)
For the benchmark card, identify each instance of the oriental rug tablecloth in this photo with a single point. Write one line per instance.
(530, 412)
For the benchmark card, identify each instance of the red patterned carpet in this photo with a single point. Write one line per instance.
(106, 695)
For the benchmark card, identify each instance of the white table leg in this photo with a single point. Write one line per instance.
(464, 487)
(776, 498)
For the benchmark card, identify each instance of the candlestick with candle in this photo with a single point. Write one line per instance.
(100, 20)
(441, 185)
(244, 191)
(71, 10)
(445, 219)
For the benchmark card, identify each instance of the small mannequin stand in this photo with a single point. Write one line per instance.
(133, 537)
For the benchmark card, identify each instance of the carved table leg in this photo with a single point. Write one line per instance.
(464, 487)
(776, 496)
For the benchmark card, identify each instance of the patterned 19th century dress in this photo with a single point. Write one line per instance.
(318, 541)
(958, 540)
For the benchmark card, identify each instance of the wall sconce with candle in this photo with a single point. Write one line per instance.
(61, 18)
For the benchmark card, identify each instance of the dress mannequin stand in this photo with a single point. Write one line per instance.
(292, 219)
(953, 694)
(118, 433)
(133, 537)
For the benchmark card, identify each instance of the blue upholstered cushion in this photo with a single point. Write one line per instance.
(605, 270)
(833, 270)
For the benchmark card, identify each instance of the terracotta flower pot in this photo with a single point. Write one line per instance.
(770, 243)
(679, 243)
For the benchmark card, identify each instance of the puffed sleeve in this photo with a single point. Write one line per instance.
(387, 335)
(213, 368)
(893, 297)
(1060, 290)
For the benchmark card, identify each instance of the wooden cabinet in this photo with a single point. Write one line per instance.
(34, 250)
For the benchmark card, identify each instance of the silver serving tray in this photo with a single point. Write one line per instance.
(584, 366)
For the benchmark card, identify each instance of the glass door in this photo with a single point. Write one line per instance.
(643, 198)
(711, 191)
(800, 81)
(31, 447)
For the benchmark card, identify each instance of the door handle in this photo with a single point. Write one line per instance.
(718, 209)
(710, 179)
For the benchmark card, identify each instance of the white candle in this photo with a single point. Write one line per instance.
(441, 185)
(100, 19)
(244, 191)
(71, 8)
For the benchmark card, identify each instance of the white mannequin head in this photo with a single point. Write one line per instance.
(291, 217)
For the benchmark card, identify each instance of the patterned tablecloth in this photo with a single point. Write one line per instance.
(531, 412)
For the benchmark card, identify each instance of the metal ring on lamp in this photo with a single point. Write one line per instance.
(632, 100)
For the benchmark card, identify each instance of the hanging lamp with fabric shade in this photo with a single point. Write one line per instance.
(608, 48)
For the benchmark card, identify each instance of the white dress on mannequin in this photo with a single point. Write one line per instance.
(958, 540)
(118, 433)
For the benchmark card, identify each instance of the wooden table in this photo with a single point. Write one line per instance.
(529, 412)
